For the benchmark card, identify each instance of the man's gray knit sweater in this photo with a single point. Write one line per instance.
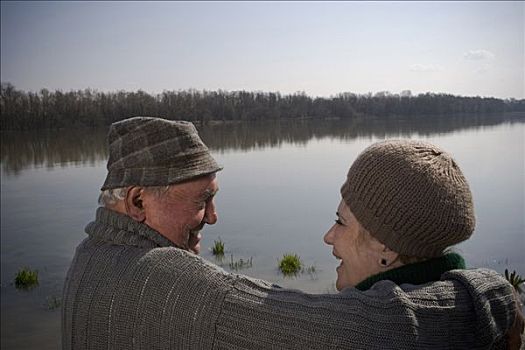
(129, 288)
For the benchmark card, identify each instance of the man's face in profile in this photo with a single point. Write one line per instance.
(182, 211)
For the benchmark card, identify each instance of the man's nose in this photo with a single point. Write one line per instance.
(210, 216)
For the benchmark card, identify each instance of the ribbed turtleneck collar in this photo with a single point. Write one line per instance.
(117, 228)
(417, 273)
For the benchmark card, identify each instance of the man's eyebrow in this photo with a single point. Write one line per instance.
(208, 193)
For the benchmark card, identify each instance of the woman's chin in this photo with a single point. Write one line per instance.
(343, 281)
(339, 284)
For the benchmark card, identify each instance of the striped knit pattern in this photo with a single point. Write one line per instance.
(129, 289)
(411, 196)
(146, 151)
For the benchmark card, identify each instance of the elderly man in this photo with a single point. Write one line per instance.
(161, 174)
(135, 282)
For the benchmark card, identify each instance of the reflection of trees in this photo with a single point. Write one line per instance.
(48, 148)
(246, 136)
(20, 150)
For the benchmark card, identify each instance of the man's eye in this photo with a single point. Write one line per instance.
(338, 221)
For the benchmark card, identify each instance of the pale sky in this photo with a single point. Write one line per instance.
(321, 48)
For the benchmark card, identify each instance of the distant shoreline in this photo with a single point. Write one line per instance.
(22, 110)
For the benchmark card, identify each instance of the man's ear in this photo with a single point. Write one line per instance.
(133, 202)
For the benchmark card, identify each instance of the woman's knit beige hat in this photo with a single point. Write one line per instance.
(411, 196)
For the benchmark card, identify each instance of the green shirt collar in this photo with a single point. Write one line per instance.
(417, 273)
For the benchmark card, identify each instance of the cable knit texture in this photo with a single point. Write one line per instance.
(129, 288)
(411, 196)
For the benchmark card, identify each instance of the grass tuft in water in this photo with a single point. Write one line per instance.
(310, 269)
(26, 279)
(290, 264)
(514, 279)
(53, 302)
(218, 248)
(240, 264)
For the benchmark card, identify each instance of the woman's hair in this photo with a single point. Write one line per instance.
(407, 259)
(365, 237)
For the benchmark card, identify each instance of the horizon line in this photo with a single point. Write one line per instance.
(298, 92)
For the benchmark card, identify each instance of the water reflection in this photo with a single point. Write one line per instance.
(273, 200)
(248, 136)
(21, 150)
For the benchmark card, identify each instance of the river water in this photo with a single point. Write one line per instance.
(279, 191)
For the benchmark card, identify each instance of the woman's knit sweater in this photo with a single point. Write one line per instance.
(129, 288)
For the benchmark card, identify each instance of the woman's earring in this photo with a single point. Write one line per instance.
(384, 262)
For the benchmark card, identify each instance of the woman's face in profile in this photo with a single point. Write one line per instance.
(360, 253)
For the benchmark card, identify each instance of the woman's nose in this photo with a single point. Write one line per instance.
(328, 237)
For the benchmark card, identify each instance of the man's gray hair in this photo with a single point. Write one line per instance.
(112, 196)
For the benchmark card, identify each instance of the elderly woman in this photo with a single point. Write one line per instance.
(404, 203)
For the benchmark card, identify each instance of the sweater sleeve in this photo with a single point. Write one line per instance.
(492, 302)
(256, 316)
(440, 315)
(123, 297)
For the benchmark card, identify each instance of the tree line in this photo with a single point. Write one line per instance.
(21, 110)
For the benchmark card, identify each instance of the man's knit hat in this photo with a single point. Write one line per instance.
(411, 196)
(146, 151)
